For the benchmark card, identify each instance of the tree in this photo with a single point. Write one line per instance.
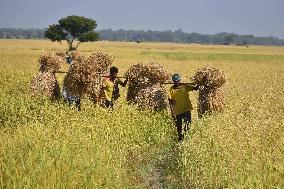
(228, 39)
(72, 28)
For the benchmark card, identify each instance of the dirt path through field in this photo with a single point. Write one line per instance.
(163, 171)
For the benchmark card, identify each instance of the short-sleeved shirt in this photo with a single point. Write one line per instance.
(109, 87)
(181, 99)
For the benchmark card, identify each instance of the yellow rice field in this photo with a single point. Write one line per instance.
(46, 144)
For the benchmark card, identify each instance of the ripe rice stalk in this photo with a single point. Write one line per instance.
(49, 63)
(144, 85)
(45, 84)
(211, 97)
(83, 77)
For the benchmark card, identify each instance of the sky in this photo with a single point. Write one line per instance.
(256, 17)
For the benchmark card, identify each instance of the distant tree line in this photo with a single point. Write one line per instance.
(13, 33)
(177, 36)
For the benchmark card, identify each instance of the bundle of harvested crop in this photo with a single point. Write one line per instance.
(153, 97)
(145, 85)
(211, 97)
(209, 77)
(60, 53)
(49, 63)
(83, 77)
(77, 56)
(45, 84)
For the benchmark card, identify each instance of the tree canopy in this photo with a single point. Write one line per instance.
(73, 28)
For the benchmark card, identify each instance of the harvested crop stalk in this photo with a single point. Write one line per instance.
(45, 84)
(211, 97)
(145, 88)
(49, 63)
(83, 77)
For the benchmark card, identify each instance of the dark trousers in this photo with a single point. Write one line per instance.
(107, 104)
(76, 101)
(186, 118)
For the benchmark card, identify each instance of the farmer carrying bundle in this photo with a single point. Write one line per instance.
(84, 76)
(180, 104)
(110, 90)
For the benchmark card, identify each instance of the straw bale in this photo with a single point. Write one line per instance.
(211, 97)
(45, 84)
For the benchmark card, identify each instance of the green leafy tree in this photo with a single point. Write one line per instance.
(73, 28)
(228, 39)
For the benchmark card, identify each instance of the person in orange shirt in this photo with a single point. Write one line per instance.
(110, 89)
(180, 104)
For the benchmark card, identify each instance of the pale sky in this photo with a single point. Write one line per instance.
(257, 17)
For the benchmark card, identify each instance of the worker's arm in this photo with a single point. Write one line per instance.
(195, 87)
(192, 87)
(123, 84)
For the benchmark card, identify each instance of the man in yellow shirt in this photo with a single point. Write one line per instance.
(110, 90)
(180, 104)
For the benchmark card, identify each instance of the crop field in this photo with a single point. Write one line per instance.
(46, 144)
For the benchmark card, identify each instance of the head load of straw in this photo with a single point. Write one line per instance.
(144, 85)
(211, 96)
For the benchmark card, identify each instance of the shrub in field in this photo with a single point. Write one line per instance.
(145, 87)
(211, 97)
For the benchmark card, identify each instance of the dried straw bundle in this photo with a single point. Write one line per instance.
(84, 77)
(151, 72)
(49, 63)
(101, 60)
(209, 77)
(211, 97)
(60, 54)
(45, 84)
(153, 97)
(76, 56)
(144, 85)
